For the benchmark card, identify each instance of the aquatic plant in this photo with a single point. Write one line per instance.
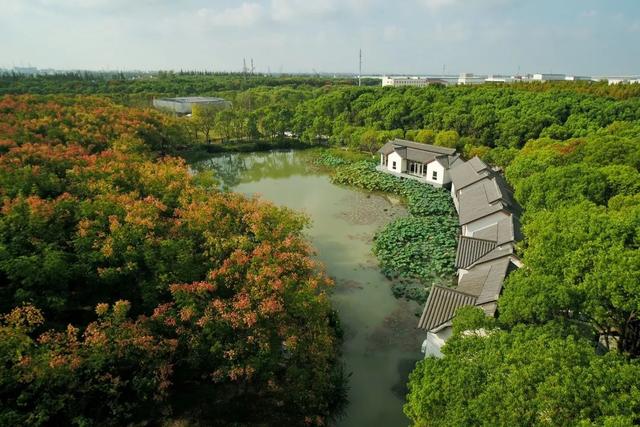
(417, 247)
(420, 249)
(421, 199)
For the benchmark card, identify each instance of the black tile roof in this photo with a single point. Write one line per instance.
(441, 306)
(391, 146)
(471, 249)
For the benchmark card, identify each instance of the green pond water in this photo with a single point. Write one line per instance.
(381, 343)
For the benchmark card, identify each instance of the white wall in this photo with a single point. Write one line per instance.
(437, 167)
(470, 229)
(434, 342)
(454, 197)
(401, 164)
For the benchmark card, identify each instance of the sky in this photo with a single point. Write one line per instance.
(581, 37)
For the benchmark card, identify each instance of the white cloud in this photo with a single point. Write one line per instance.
(288, 10)
(438, 4)
(92, 4)
(392, 33)
(589, 13)
(452, 32)
(245, 15)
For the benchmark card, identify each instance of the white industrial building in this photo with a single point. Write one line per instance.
(548, 77)
(470, 79)
(578, 78)
(492, 78)
(411, 81)
(616, 80)
(184, 105)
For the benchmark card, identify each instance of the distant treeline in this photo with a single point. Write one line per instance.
(490, 121)
(148, 85)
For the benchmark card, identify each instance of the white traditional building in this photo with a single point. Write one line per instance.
(489, 228)
(422, 162)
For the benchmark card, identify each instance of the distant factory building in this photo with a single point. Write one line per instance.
(470, 79)
(578, 78)
(184, 105)
(492, 78)
(411, 81)
(617, 80)
(548, 77)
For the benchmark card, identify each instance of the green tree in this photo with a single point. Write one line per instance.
(581, 263)
(447, 138)
(562, 186)
(426, 136)
(204, 118)
(530, 375)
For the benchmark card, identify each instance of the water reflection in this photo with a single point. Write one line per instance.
(235, 168)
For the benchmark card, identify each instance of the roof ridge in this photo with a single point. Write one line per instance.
(480, 261)
(437, 312)
(446, 288)
(436, 148)
(479, 239)
(471, 249)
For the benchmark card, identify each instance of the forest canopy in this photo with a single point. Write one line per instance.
(564, 348)
(133, 291)
(134, 288)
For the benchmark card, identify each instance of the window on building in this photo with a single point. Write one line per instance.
(434, 176)
(393, 166)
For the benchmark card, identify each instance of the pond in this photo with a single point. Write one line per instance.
(381, 342)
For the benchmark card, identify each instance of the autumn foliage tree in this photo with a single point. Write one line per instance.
(136, 292)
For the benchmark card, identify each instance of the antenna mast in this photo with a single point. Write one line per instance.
(360, 69)
(244, 68)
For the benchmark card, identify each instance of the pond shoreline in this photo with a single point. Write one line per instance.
(381, 343)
